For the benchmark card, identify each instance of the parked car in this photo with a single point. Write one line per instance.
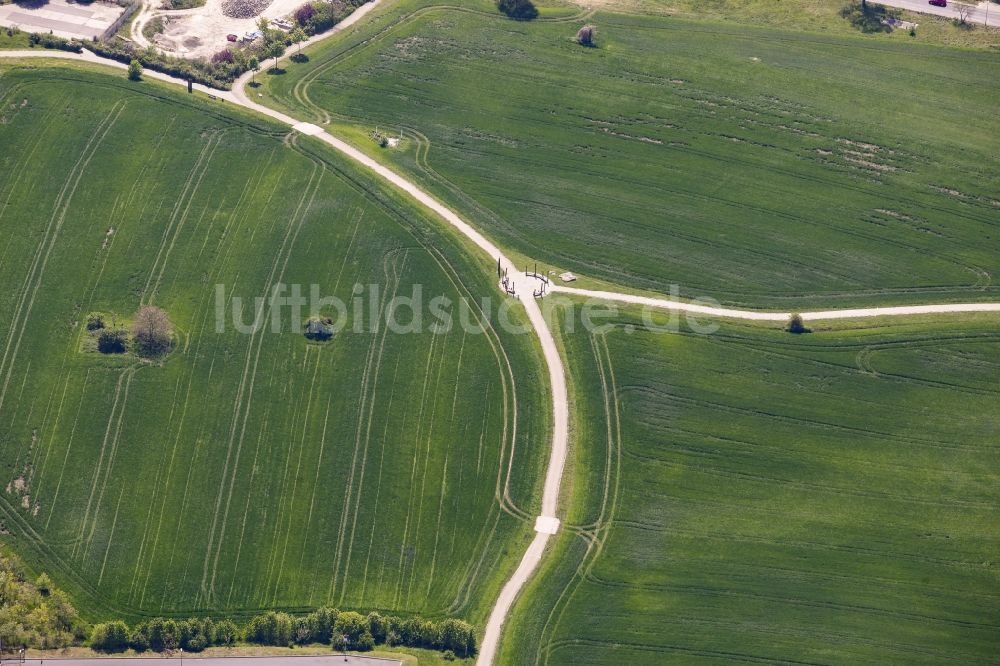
(938, 3)
(231, 38)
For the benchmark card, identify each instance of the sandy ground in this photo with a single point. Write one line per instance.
(201, 32)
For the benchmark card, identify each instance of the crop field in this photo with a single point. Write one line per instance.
(758, 166)
(245, 470)
(756, 496)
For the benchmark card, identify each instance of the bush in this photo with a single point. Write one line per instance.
(303, 14)
(365, 642)
(457, 636)
(225, 55)
(134, 70)
(585, 35)
(352, 625)
(95, 322)
(318, 329)
(271, 628)
(796, 325)
(110, 637)
(197, 644)
(53, 42)
(112, 341)
(226, 632)
(868, 17)
(519, 10)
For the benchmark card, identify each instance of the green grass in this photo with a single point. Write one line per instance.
(813, 16)
(756, 496)
(17, 40)
(759, 166)
(244, 471)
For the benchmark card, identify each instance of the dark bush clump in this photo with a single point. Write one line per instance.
(112, 341)
(95, 322)
(225, 55)
(868, 17)
(53, 42)
(519, 10)
(796, 325)
(319, 329)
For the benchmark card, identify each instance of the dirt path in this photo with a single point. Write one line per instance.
(761, 315)
(547, 523)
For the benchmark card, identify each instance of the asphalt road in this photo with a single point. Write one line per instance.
(978, 15)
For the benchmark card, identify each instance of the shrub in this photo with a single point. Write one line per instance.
(457, 636)
(95, 322)
(585, 35)
(139, 641)
(519, 10)
(318, 329)
(365, 642)
(53, 42)
(226, 632)
(271, 628)
(110, 637)
(225, 55)
(135, 70)
(112, 341)
(868, 17)
(796, 325)
(352, 625)
(197, 644)
(152, 330)
(304, 13)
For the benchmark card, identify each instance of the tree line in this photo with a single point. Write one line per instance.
(342, 630)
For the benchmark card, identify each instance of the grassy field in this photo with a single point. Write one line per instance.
(758, 166)
(244, 471)
(812, 15)
(756, 496)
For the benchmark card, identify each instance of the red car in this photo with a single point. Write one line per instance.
(233, 38)
(938, 3)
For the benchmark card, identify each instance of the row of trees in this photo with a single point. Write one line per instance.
(342, 630)
(164, 635)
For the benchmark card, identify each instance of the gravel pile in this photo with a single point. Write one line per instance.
(244, 8)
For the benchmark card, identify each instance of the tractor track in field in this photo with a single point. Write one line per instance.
(547, 523)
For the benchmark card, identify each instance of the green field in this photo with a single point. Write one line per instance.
(244, 471)
(758, 166)
(756, 496)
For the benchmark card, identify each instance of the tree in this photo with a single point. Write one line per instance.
(274, 51)
(297, 36)
(135, 70)
(964, 12)
(254, 65)
(263, 24)
(152, 330)
(796, 325)
(519, 10)
(585, 35)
